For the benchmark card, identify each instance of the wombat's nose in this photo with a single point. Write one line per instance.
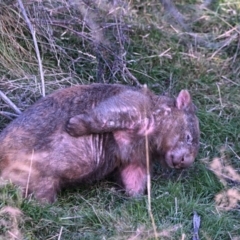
(178, 162)
(179, 159)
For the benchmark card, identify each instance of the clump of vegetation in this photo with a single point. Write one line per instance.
(192, 44)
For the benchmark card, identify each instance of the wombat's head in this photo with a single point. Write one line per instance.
(177, 131)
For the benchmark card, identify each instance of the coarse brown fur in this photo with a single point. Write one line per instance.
(83, 133)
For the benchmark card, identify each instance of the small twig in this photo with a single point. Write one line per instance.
(8, 115)
(9, 102)
(29, 175)
(176, 206)
(226, 43)
(196, 225)
(225, 78)
(234, 152)
(33, 32)
(219, 93)
(131, 76)
(149, 179)
(223, 176)
(60, 233)
(13, 235)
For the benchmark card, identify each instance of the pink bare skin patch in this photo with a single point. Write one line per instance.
(134, 178)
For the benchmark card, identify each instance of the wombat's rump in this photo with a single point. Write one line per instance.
(81, 134)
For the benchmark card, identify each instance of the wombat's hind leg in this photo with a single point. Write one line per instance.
(120, 112)
(134, 179)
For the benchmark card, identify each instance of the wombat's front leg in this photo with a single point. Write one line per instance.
(134, 179)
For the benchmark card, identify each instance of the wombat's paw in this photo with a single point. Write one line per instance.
(76, 127)
(132, 193)
(47, 198)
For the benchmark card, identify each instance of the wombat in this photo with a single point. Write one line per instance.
(83, 133)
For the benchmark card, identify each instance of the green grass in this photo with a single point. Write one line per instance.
(100, 212)
(208, 68)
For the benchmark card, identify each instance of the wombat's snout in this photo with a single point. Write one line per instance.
(179, 159)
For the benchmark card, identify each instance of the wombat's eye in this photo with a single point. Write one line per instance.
(189, 139)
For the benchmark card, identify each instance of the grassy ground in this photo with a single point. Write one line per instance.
(159, 51)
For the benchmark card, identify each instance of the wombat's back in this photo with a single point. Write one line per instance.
(34, 128)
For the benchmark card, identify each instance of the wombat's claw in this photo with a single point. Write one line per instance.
(71, 129)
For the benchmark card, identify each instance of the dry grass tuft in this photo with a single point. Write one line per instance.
(229, 198)
(224, 171)
(167, 233)
(10, 219)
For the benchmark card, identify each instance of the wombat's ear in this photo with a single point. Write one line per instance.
(183, 100)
